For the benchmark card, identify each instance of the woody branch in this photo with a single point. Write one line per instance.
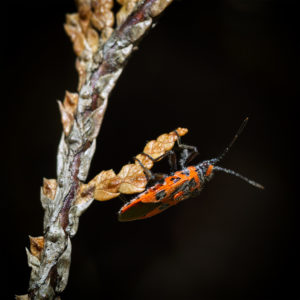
(100, 62)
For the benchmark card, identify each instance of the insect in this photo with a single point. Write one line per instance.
(180, 185)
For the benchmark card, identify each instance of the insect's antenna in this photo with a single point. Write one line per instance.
(216, 168)
(226, 150)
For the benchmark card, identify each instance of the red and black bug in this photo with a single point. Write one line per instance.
(180, 185)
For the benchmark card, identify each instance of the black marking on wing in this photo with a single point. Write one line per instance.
(177, 190)
(160, 195)
(192, 183)
(186, 172)
(175, 179)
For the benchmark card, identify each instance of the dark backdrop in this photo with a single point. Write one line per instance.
(206, 66)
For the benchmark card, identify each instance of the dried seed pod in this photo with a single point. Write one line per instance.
(84, 8)
(82, 29)
(49, 188)
(70, 102)
(92, 38)
(133, 179)
(36, 246)
(100, 20)
(67, 111)
(106, 185)
(106, 33)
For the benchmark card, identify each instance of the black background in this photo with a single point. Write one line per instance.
(206, 66)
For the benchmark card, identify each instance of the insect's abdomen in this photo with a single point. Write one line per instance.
(176, 188)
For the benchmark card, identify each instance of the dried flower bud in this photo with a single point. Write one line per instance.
(36, 246)
(67, 110)
(92, 38)
(106, 33)
(84, 8)
(71, 102)
(49, 188)
(100, 20)
(106, 185)
(134, 179)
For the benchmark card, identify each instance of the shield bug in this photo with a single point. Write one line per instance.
(180, 185)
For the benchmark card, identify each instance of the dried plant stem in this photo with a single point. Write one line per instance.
(50, 255)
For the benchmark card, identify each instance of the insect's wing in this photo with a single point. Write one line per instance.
(153, 201)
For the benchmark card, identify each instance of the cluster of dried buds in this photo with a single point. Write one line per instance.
(91, 27)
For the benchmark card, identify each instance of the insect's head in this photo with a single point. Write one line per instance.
(208, 167)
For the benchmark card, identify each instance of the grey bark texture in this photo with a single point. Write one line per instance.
(50, 270)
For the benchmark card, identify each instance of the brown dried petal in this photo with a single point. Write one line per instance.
(102, 4)
(110, 185)
(107, 180)
(97, 21)
(106, 33)
(84, 7)
(145, 161)
(49, 188)
(78, 43)
(130, 170)
(102, 195)
(105, 185)
(67, 118)
(182, 131)
(36, 245)
(163, 143)
(154, 149)
(134, 184)
(167, 140)
(134, 179)
(71, 102)
(71, 31)
(92, 38)
(103, 19)
(104, 175)
(73, 19)
(86, 193)
(84, 23)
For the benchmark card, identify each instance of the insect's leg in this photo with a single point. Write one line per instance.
(171, 159)
(188, 152)
(151, 177)
(147, 172)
